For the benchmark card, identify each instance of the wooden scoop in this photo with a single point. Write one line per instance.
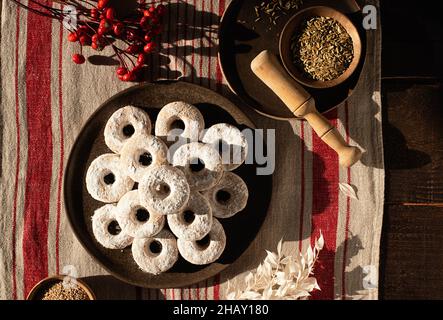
(302, 105)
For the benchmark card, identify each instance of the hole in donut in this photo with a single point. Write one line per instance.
(145, 159)
(128, 130)
(177, 125)
(188, 216)
(223, 196)
(162, 190)
(204, 243)
(196, 165)
(114, 228)
(155, 247)
(109, 178)
(142, 215)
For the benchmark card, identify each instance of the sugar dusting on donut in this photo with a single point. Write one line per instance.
(179, 119)
(230, 142)
(228, 197)
(207, 252)
(201, 164)
(141, 153)
(194, 221)
(106, 181)
(135, 219)
(164, 190)
(157, 254)
(106, 229)
(126, 123)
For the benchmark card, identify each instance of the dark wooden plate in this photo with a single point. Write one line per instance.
(80, 205)
(241, 39)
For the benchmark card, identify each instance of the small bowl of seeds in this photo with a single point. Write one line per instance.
(61, 288)
(320, 47)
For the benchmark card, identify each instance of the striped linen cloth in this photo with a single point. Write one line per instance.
(45, 100)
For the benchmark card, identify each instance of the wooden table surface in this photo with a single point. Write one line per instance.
(412, 89)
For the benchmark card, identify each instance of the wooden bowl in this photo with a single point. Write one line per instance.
(292, 26)
(39, 288)
(80, 206)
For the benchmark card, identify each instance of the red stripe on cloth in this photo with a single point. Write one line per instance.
(219, 75)
(348, 211)
(17, 158)
(217, 287)
(302, 182)
(39, 171)
(62, 147)
(325, 211)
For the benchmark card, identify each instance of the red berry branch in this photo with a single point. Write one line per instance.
(98, 25)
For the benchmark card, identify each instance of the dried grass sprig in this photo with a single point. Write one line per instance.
(280, 276)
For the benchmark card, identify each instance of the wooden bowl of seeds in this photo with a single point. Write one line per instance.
(61, 288)
(320, 47)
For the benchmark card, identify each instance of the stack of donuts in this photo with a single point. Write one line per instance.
(165, 199)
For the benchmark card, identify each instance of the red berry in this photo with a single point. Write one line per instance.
(72, 37)
(154, 20)
(96, 38)
(121, 71)
(78, 58)
(121, 78)
(102, 3)
(133, 49)
(144, 22)
(105, 24)
(147, 13)
(95, 14)
(149, 47)
(82, 30)
(110, 14)
(118, 28)
(141, 59)
(96, 46)
(101, 31)
(152, 9)
(161, 10)
(130, 76)
(85, 40)
(147, 38)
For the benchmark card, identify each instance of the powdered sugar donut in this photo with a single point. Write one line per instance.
(207, 250)
(124, 124)
(229, 196)
(183, 117)
(201, 164)
(164, 190)
(106, 180)
(155, 255)
(142, 152)
(194, 221)
(234, 146)
(135, 219)
(106, 229)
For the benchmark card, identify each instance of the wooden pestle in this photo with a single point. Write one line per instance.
(267, 67)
